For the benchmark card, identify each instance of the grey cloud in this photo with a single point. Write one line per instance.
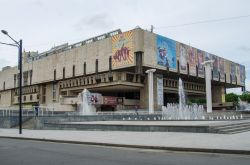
(3, 63)
(98, 21)
(245, 48)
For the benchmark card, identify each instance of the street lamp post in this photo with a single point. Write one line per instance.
(19, 45)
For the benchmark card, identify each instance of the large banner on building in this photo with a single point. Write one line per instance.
(233, 73)
(227, 70)
(166, 52)
(182, 54)
(200, 60)
(222, 69)
(238, 73)
(123, 50)
(207, 56)
(192, 56)
(242, 75)
(215, 67)
(160, 93)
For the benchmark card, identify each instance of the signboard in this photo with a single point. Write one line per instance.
(182, 52)
(109, 100)
(122, 50)
(166, 52)
(160, 93)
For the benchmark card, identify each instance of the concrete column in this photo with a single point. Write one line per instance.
(150, 90)
(207, 65)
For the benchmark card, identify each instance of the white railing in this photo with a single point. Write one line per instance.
(32, 111)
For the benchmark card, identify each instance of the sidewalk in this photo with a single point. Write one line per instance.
(195, 142)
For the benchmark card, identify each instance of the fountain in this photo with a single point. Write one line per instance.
(86, 102)
(243, 106)
(182, 111)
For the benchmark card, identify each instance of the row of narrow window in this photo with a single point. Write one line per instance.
(84, 68)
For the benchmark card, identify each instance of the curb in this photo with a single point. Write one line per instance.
(205, 150)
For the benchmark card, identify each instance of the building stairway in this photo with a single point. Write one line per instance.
(231, 128)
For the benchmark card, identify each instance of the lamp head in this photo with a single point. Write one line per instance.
(4, 32)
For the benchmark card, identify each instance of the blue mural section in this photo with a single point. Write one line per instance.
(166, 52)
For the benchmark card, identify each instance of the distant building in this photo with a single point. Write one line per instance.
(114, 65)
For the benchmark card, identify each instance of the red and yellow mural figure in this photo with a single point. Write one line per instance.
(122, 50)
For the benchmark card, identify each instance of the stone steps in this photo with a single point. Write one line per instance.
(231, 128)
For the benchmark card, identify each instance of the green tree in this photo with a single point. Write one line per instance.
(245, 97)
(232, 97)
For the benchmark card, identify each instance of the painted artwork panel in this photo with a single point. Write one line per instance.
(242, 75)
(183, 57)
(207, 56)
(200, 60)
(192, 56)
(233, 72)
(222, 69)
(166, 52)
(228, 70)
(123, 50)
(215, 67)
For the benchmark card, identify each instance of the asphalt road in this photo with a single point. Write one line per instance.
(22, 152)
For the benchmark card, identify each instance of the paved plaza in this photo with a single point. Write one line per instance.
(205, 142)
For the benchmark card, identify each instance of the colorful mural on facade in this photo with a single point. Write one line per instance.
(192, 56)
(242, 75)
(122, 50)
(166, 52)
(222, 69)
(227, 70)
(233, 72)
(215, 67)
(207, 56)
(200, 59)
(238, 73)
(182, 52)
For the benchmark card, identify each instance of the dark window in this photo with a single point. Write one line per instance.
(24, 98)
(14, 80)
(54, 91)
(84, 68)
(110, 63)
(54, 74)
(63, 72)
(31, 97)
(31, 76)
(96, 66)
(74, 68)
(43, 99)
(138, 63)
(25, 78)
(4, 85)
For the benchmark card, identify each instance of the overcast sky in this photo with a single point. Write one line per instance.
(46, 23)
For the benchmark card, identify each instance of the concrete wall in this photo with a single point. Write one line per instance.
(5, 98)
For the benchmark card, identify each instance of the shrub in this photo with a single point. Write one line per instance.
(232, 97)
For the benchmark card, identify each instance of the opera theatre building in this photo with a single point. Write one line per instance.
(114, 65)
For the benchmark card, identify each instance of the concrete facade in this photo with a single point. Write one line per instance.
(51, 77)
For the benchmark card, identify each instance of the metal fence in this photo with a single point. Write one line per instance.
(31, 111)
